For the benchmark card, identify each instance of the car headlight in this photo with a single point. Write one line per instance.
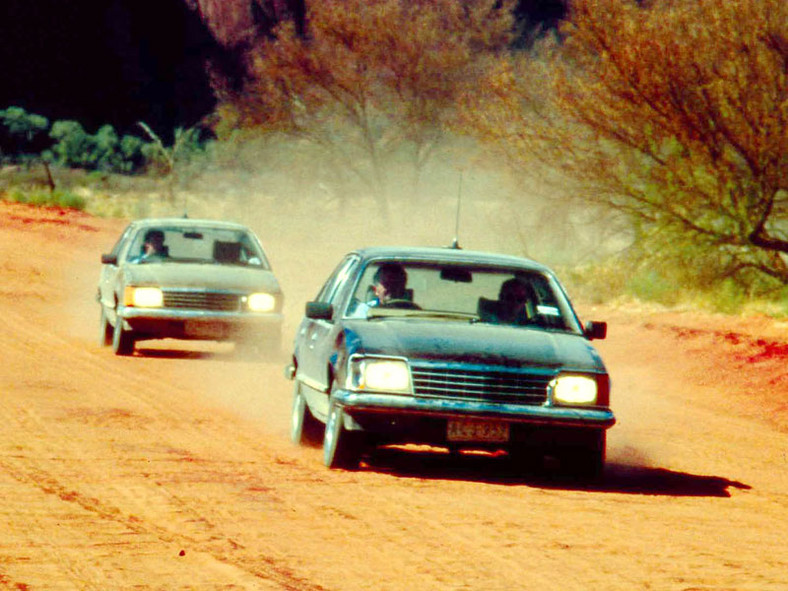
(143, 297)
(574, 390)
(261, 302)
(379, 374)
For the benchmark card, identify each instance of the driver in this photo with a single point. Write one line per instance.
(153, 247)
(389, 284)
(388, 289)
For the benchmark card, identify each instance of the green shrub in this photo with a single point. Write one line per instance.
(69, 200)
(104, 151)
(651, 286)
(46, 198)
(26, 137)
(596, 283)
(132, 154)
(72, 144)
(729, 297)
(671, 282)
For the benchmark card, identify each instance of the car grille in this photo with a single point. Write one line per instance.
(202, 300)
(472, 384)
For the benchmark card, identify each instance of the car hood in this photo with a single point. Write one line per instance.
(203, 276)
(472, 343)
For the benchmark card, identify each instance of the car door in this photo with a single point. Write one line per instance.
(316, 337)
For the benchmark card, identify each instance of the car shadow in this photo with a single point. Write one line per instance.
(181, 354)
(500, 469)
(223, 355)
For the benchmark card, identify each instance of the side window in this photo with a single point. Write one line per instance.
(330, 289)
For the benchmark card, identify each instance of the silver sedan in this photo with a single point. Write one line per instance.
(188, 279)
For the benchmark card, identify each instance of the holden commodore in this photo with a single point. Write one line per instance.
(451, 348)
(188, 279)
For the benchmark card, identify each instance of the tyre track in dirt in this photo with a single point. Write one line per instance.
(76, 476)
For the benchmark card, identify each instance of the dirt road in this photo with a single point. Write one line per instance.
(172, 469)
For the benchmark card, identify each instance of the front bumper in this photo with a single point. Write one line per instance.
(358, 404)
(196, 324)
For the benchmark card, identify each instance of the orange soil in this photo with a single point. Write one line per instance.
(172, 469)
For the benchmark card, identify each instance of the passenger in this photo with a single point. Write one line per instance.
(515, 302)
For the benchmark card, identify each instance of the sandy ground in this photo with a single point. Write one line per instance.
(172, 469)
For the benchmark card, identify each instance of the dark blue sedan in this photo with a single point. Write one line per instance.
(451, 348)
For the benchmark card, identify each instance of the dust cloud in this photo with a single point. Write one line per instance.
(308, 214)
(308, 217)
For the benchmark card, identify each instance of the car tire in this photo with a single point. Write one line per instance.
(122, 339)
(526, 459)
(587, 462)
(105, 330)
(305, 429)
(341, 448)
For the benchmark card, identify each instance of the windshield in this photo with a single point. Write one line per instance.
(189, 244)
(465, 292)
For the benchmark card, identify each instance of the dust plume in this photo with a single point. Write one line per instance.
(308, 216)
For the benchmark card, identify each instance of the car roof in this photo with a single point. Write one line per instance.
(448, 255)
(184, 222)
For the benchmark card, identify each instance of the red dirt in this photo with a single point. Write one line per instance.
(172, 469)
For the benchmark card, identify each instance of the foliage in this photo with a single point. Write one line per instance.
(132, 154)
(25, 137)
(187, 146)
(44, 197)
(21, 132)
(674, 112)
(72, 145)
(104, 151)
(371, 79)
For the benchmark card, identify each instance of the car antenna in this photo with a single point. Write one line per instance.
(456, 242)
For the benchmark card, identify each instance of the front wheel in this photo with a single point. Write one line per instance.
(105, 330)
(122, 339)
(341, 448)
(305, 429)
(587, 462)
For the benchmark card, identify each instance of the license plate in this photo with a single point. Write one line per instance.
(472, 430)
(206, 330)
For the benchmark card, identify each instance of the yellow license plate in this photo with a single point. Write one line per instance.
(474, 430)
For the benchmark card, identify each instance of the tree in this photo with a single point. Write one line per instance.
(371, 79)
(674, 112)
(73, 145)
(21, 132)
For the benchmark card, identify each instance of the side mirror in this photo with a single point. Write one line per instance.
(319, 310)
(595, 330)
(109, 259)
